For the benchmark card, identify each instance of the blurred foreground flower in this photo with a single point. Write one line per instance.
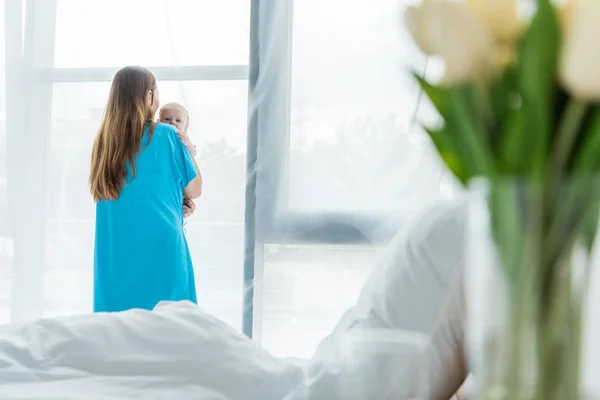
(520, 114)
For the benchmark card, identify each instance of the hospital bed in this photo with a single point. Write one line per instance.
(382, 348)
(174, 352)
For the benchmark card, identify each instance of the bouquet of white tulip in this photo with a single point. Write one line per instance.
(520, 107)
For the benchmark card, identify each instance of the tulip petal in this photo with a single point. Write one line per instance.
(456, 34)
(566, 14)
(500, 16)
(580, 57)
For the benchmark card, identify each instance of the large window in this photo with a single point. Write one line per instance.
(341, 161)
(170, 33)
(303, 186)
(305, 290)
(353, 111)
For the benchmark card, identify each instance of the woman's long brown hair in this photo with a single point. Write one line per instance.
(120, 135)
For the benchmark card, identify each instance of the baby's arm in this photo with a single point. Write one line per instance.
(187, 142)
(199, 174)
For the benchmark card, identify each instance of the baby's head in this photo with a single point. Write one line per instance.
(175, 114)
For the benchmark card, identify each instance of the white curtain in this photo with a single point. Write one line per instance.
(311, 97)
(5, 239)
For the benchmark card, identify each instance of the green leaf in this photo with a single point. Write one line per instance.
(472, 136)
(437, 95)
(514, 154)
(446, 148)
(504, 94)
(506, 213)
(566, 136)
(457, 108)
(537, 73)
(510, 118)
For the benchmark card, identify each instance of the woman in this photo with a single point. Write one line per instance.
(140, 174)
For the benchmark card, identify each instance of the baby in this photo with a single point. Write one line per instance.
(175, 114)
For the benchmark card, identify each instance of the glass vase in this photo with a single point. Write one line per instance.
(530, 273)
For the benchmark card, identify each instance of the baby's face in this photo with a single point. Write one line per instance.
(174, 116)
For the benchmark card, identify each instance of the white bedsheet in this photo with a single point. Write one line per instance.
(175, 352)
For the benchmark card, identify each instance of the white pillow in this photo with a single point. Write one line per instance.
(404, 337)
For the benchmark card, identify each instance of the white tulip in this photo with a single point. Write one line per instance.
(566, 14)
(580, 56)
(454, 32)
(500, 16)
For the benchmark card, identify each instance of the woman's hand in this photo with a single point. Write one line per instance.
(187, 142)
(189, 207)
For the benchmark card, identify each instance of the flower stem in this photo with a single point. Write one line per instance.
(566, 135)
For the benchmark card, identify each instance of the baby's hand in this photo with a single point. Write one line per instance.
(189, 207)
(187, 142)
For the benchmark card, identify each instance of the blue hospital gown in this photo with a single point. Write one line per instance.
(141, 254)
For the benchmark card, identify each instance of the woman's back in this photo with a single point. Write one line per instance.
(141, 254)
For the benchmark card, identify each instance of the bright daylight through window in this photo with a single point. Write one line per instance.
(337, 175)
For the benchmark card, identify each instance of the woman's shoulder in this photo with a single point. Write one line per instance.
(161, 128)
(164, 133)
